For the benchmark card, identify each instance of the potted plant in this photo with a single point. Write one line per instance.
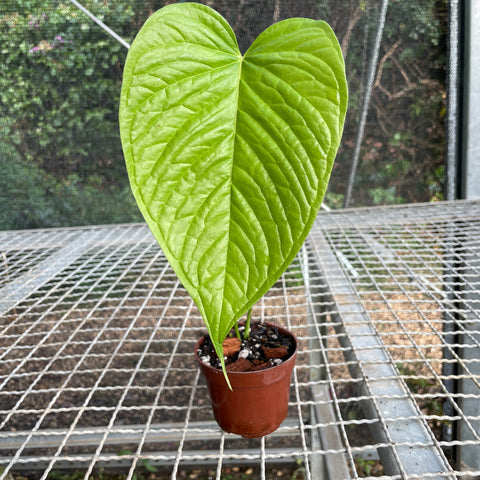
(229, 157)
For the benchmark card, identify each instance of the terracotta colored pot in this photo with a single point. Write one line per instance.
(258, 403)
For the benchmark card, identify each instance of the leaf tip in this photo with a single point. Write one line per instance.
(219, 350)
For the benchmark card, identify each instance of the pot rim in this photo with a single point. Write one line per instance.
(284, 364)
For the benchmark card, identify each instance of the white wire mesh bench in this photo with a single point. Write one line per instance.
(97, 371)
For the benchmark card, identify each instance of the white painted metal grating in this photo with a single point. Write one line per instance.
(97, 335)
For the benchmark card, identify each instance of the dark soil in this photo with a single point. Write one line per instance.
(265, 347)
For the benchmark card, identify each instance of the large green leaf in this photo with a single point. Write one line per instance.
(229, 156)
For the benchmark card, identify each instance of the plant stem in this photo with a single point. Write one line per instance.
(247, 324)
(237, 332)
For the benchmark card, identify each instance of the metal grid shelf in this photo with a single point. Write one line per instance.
(97, 334)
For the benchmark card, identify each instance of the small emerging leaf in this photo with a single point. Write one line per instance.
(229, 156)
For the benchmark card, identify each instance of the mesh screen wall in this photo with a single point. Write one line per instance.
(60, 81)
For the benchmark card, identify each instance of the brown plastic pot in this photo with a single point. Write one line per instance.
(258, 401)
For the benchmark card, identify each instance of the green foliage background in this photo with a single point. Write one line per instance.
(60, 80)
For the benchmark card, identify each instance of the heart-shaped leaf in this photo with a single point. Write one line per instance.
(229, 156)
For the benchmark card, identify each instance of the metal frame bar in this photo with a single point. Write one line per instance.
(386, 393)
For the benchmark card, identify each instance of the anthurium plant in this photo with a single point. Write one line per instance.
(229, 155)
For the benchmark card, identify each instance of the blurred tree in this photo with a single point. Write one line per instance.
(402, 154)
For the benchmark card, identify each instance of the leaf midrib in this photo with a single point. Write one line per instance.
(234, 137)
